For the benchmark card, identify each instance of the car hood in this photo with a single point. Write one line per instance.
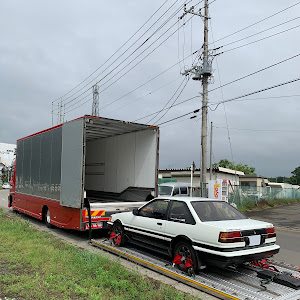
(243, 224)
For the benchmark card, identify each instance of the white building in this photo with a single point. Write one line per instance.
(184, 175)
(7, 154)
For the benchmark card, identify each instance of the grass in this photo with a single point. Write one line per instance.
(36, 265)
(248, 205)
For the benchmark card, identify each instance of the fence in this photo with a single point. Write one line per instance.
(240, 194)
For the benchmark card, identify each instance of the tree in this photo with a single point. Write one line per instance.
(295, 179)
(225, 163)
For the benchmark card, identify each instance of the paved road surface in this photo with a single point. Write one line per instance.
(287, 223)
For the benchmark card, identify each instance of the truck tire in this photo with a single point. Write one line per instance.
(47, 218)
(118, 229)
(185, 250)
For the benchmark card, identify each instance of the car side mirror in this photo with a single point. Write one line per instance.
(135, 211)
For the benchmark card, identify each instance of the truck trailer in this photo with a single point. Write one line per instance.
(75, 175)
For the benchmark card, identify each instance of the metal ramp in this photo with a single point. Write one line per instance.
(241, 283)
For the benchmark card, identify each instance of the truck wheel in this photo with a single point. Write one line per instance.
(118, 229)
(48, 218)
(185, 250)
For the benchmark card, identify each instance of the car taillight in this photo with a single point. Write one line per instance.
(230, 237)
(271, 232)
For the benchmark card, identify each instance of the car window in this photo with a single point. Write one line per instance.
(216, 211)
(176, 191)
(179, 212)
(164, 190)
(183, 190)
(156, 209)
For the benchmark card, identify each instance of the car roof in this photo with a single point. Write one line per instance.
(175, 184)
(188, 199)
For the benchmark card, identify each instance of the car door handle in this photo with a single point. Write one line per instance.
(160, 224)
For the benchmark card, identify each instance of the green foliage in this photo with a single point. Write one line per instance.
(295, 179)
(225, 163)
(280, 179)
(248, 204)
(36, 265)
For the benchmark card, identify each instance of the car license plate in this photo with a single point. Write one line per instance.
(254, 240)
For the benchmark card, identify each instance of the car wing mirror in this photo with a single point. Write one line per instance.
(135, 211)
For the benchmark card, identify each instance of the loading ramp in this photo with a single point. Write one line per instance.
(230, 283)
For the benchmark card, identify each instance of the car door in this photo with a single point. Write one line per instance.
(149, 225)
(179, 220)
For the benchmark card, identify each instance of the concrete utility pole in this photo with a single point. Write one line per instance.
(203, 74)
(95, 108)
(210, 148)
(205, 77)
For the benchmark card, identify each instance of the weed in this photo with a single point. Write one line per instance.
(36, 265)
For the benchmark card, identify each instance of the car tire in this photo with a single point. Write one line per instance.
(185, 249)
(118, 229)
(47, 218)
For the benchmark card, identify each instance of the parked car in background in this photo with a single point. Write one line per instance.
(205, 230)
(174, 189)
(6, 185)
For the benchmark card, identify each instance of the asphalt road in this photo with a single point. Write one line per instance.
(286, 220)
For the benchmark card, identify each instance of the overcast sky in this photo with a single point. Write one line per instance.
(49, 47)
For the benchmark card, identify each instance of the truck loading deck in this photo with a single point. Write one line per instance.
(230, 283)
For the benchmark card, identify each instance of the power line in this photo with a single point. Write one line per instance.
(187, 100)
(170, 100)
(234, 99)
(135, 58)
(253, 24)
(150, 93)
(146, 40)
(115, 51)
(263, 130)
(267, 37)
(169, 68)
(192, 112)
(131, 67)
(257, 33)
(228, 133)
(258, 71)
(256, 92)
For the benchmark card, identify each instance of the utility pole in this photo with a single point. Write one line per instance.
(205, 76)
(95, 108)
(60, 112)
(210, 148)
(202, 73)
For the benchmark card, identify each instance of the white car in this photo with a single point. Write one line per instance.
(207, 231)
(6, 185)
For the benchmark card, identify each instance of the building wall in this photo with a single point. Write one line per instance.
(7, 153)
(185, 176)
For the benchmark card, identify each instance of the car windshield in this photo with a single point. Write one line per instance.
(216, 211)
(165, 190)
